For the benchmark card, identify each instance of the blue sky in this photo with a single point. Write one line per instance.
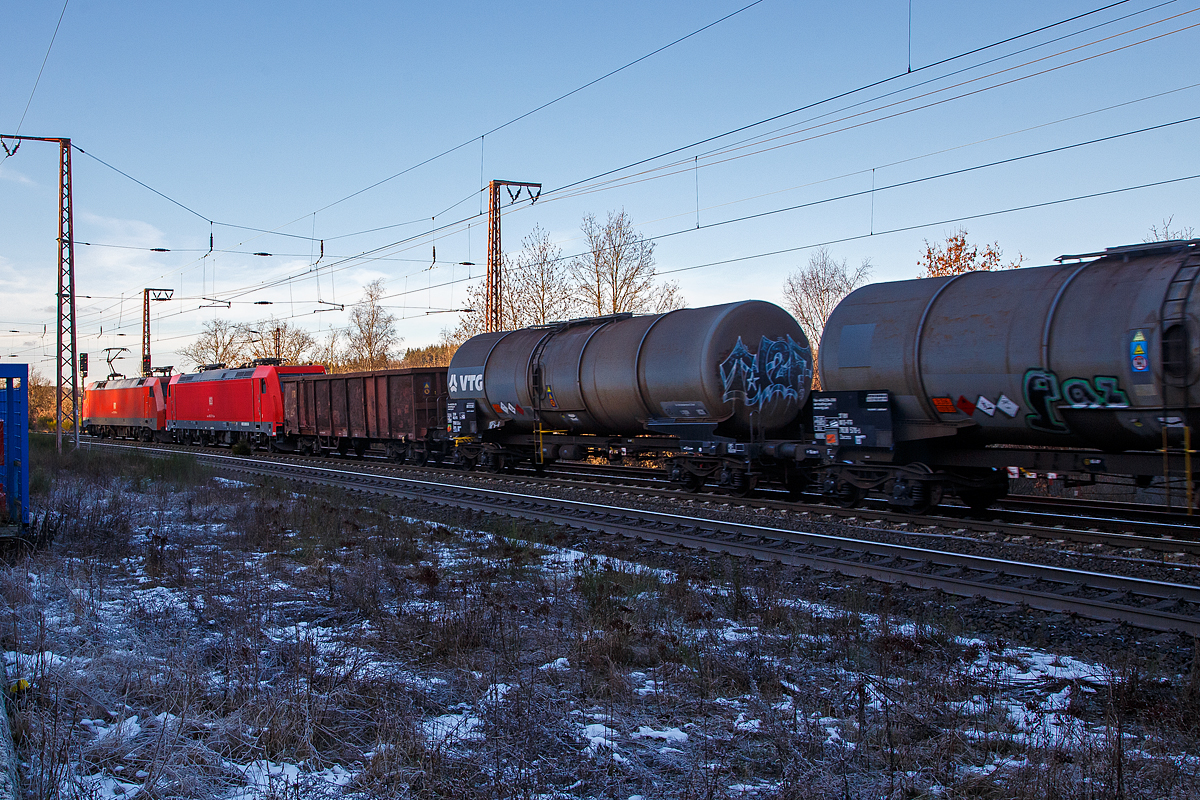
(260, 114)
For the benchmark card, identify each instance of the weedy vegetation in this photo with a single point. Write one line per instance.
(186, 635)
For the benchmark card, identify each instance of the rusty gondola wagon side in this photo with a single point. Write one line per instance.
(397, 412)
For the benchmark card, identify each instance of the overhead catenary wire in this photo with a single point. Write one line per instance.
(840, 240)
(443, 227)
(543, 106)
(816, 182)
(42, 69)
(1040, 153)
(948, 221)
(681, 166)
(872, 84)
(959, 71)
(446, 152)
(367, 254)
(440, 228)
(840, 95)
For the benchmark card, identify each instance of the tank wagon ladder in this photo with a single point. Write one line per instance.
(1177, 368)
(537, 382)
(539, 389)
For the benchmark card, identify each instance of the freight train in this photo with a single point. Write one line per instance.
(930, 387)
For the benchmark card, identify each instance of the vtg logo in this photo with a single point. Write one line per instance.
(466, 383)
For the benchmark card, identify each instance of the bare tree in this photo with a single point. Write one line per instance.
(473, 323)
(812, 292)
(371, 336)
(330, 352)
(537, 290)
(221, 342)
(957, 256)
(668, 297)
(537, 282)
(617, 272)
(276, 338)
(1166, 234)
(540, 287)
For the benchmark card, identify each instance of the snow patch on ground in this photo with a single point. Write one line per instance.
(667, 735)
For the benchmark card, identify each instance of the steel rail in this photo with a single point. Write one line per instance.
(1161, 544)
(998, 580)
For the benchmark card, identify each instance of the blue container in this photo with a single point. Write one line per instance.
(14, 418)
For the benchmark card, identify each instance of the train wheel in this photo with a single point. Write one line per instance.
(846, 494)
(741, 484)
(929, 497)
(683, 479)
(687, 481)
(494, 463)
(736, 482)
(360, 447)
(417, 455)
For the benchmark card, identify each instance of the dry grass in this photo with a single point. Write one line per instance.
(198, 629)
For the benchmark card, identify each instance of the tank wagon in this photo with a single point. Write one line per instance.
(1084, 367)
(127, 408)
(701, 384)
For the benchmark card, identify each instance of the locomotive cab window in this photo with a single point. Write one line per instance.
(262, 385)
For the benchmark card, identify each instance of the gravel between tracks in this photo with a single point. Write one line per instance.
(1171, 567)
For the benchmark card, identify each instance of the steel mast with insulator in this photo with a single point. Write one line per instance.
(67, 384)
(159, 295)
(493, 312)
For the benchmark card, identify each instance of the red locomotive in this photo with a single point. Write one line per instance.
(130, 408)
(224, 406)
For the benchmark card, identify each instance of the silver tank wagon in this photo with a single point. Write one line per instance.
(743, 367)
(1100, 350)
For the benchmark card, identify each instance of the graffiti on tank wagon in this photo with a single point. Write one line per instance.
(780, 371)
(1043, 393)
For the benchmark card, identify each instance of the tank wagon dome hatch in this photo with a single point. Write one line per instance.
(739, 370)
(1100, 350)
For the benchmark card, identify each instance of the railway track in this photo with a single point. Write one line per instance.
(1144, 603)
(1162, 536)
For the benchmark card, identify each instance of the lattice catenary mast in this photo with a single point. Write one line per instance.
(148, 295)
(67, 362)
(493, 316)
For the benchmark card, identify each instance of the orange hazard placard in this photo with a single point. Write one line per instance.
(943, 405)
